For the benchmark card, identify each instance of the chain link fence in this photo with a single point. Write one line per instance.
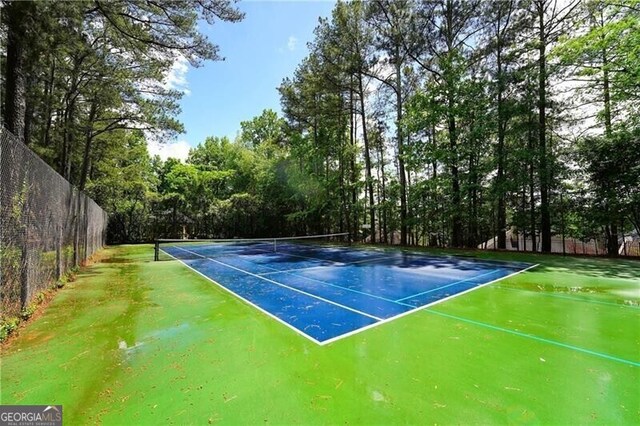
(46, 225)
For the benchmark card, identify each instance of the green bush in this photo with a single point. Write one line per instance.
(28, 311)
(68, 277)
(8, 326)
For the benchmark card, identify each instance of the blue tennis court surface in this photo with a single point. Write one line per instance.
(326, 293)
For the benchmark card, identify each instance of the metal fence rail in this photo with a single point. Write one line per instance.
(46, 225)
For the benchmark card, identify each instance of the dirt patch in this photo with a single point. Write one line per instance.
(101, 256)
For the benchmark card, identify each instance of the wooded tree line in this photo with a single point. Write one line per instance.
(85, 80)
(471, 119)
(445, 123)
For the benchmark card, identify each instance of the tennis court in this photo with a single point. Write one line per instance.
(326, 293)
(144, 342)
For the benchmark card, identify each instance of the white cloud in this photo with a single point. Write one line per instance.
(176, 78)
(177, 149)
(292, 43)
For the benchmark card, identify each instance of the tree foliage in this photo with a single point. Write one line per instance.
(448, 123)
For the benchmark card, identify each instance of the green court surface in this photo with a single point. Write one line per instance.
(134, 341)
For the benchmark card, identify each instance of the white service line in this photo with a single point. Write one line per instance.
(276, 271)
(334, 264)
(284, 285)
(371, 260)
(284, 253)
(350, 289)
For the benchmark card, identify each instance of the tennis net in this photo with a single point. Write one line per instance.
(168, 249)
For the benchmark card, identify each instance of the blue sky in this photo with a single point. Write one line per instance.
(259, 52)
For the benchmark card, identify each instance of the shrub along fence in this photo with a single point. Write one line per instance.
(47, 226)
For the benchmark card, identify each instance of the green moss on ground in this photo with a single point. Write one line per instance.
(138, 342)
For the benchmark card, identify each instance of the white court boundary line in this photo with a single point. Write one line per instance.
(286, 271)
(349, 289)
(493, 271)
(384, 321)
(282, 253)
(334, 264)
(248, 302)
(285, 286)
(345, 335)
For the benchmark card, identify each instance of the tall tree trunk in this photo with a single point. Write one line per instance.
(401, 172)
(343, 194)
(606, 95)
(64, 152)
(28, 118)
(67, 141)
(352, 141)
(385, 213)
(16, 18)
(433, 237)
(379, 193)
(500, 181)
(434, 163)
(86, 158)
(472, 240)
(523, 212)
(456, 222)
(367, 159)
(532, 195)
(71, 98)
(545, 214)
(613, 216)
(410, 213)
(49, 85)
(455, 180)
(612, 239)
(343, 197)
(68, 125)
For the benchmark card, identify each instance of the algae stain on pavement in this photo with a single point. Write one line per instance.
(77, 368)
(127, 294)
(100, 386)
(141, 342)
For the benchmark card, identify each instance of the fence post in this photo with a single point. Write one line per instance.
(24, 272)
(58, 252)
(156, 249)
(25, 261)
(76, 224)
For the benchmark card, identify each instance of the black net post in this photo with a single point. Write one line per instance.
(156, 251)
